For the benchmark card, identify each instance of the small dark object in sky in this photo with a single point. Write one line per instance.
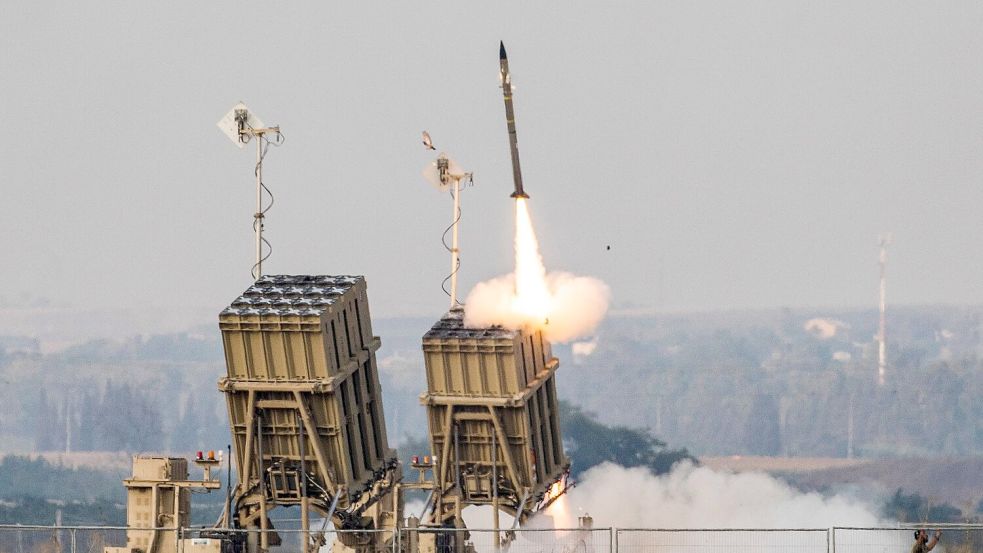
(427, 143)
(609, 247)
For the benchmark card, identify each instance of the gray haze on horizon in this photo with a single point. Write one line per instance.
(731, 154)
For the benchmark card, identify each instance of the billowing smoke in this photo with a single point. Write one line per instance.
(699, 497)
(691, 497)
(577, 305)
(564, 306)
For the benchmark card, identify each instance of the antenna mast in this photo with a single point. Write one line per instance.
(443, 168)
(241, 126)
(445, 174)
(885, 240)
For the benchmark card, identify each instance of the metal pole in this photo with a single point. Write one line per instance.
(494, 490)
(228, 490)
(454, 251)
(334, 506)
(457, 463)
(258, 217)
(177, 517)
(849, 429)
(58, 533)
(305, 521)
(264, 537)
(881, 331)
(522, 507)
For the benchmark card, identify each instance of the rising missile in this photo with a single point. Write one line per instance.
(503, 62)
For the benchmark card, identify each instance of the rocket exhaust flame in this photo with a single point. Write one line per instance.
(563, 306)
(532, 297)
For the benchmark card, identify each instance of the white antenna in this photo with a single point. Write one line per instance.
(241, 125)
(445, 174)
(885, 240)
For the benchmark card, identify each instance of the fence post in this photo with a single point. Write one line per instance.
(73, 539)
(614, 540)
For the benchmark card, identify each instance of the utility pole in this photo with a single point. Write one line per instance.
(849, 429)
(885, 240)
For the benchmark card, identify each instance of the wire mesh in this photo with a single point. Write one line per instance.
(955, 539)
(809, 540)
(291, 540)
(523, 540)
(39, 539)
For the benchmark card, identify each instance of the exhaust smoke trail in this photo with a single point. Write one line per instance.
(532, 297)
(563, 306)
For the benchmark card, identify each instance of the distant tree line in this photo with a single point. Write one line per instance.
(121, 418)
(762, 384)
(22, 476)
(588, 443)
(32, 509)
(914, 508)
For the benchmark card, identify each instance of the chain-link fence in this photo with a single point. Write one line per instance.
(31, 539)
(44, 539)
(956, 538)
(523, 540)
(320, 537)
(899, 539)
(802, 540)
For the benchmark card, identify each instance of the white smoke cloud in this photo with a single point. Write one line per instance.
(690, 497)
(699, 497)
(577, 304)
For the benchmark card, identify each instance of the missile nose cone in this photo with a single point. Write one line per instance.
(501, 50)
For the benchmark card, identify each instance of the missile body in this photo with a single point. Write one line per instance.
(503, 62)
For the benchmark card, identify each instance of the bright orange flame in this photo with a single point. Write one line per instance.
(558, 510)
(532, 296)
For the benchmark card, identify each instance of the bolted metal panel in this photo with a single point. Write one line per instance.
(483, 362)
(492, 388)
(300, 358)
(151, 503)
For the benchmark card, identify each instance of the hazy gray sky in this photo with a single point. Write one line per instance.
(732, 154)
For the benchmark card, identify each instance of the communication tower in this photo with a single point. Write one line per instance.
(884, 241)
